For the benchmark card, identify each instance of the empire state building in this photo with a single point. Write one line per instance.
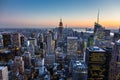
(60, 31)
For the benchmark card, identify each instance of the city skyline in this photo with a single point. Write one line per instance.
(46, 13)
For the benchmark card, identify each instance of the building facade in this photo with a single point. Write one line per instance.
(16, 39)
(79, 71)
(60, 31)
(49, 43)
(96, 60)
(114, 72)
(6, 39)
(72, 45)
(27, 59)
(3, 73)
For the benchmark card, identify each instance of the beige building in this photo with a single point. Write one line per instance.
(3, 73)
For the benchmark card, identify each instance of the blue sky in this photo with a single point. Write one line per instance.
(48, 12)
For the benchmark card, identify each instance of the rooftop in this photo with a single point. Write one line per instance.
(2, 67)
(118, 42)
(79, 64)
(96, 49)
(72, 37)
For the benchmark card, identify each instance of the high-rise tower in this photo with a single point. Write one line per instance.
(16, 39)
(97, 25)
(97, 62)
(114, 73)
(60, 31)
(119, 29)
(6, 39)
(98, 17)
(3, 73)
(49, 43)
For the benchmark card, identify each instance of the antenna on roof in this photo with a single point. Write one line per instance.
(98, 16)
(119, 29)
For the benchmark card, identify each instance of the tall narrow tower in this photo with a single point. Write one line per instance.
(60, 31)
(119, 29)
(98, 16)
(60, 27)
(49, 43)
(97, 25)
(114, 73)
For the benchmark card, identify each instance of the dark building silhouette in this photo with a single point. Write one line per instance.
(116, 36)
(60, 31)
(96, 60)
(22, 39)
(6, 39)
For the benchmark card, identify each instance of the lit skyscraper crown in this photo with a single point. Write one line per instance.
(60, 23)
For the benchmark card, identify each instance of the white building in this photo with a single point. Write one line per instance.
(32, 41)
(31, 49)
(3, 73)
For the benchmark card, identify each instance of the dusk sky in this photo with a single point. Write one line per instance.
(46, 13)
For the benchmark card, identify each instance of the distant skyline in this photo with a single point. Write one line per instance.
(46, 13)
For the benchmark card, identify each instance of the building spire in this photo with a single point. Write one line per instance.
(60, 23)
(98, 16)
(119, 29)
(60, 19)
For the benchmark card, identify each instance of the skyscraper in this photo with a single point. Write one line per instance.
(97, 25)
(1, 41)
(119, 29)
(18, 67)
(16, 39)
(114, 72)
(27, 59)
(6, 39)
(49, 43)
(96, 59)
(31, 49)
(79, 70)
(32, 41)
(22, 40)
(40, 38)
(116, 36)
(80, 51)
(60, 31)
(72, 45)
(3, 73)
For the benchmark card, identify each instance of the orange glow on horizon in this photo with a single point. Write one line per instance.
(110, 24)
(69, 23)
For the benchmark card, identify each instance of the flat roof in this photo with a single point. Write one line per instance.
(72, 37)
(2, 67)
(96, 49)
(79, 64)
(30, 38)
